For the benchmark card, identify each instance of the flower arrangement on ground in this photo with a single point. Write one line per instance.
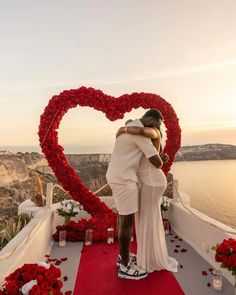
(33, 279)
(75, 231)
(165, 204)
(226, 254)
(69, 209)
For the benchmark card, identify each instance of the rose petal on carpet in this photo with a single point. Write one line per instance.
(97, 275)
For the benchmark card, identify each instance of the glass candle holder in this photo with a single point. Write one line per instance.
(166, 225)
(62, 238)
(217, 280)
(88, 236)
(110, 235)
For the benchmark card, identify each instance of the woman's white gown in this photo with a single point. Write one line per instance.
(152, 251)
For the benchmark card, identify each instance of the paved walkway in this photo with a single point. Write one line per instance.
(189, 277)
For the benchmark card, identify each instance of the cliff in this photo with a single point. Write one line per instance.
(17, 181)
(206, 152)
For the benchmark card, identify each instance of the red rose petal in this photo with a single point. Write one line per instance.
(204, 273)
(210, 269)
(180, 239)
(176, 237)
(172, 241)
(181, 266)
(47, 255)
(183, 250)
(176, 251)
(58, 262)
(52, 259)
(65, 278)
(208, 284)
(64, 259)
(177, 246)
(68, 292)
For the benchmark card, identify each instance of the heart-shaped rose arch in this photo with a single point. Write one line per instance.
(114, 108)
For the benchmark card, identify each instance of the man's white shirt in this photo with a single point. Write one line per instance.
(126, 156)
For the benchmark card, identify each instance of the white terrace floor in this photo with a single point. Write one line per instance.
(189, 277)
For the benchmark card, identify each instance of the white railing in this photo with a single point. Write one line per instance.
(29, 246)
(49, 192)
(194, 212)
(177, 197)
(200, 231)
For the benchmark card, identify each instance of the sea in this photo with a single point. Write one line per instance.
(211, 186)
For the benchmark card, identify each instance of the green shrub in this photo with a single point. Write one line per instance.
(13, 226)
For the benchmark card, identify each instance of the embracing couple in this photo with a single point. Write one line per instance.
(137, 182)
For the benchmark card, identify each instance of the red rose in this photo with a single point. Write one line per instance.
(12, 288)
(35, 290)
(222, 248)
(39, 278)
(28, 277)
(44, 285)
(218, 258)
(55, 270)
(227, 261)
(56, 292)
(233, 256)
(58, 284)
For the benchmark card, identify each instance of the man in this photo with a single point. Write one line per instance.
(122, 176)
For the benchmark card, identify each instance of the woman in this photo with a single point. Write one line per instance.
(152, 251)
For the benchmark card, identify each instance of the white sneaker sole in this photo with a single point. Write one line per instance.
(124, 276)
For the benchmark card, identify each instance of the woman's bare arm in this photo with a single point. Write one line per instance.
(157, 144)
(135, 130)
(156, 160)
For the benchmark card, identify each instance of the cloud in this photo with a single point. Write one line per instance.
(151, 76)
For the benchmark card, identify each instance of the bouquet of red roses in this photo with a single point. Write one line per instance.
(226, 254)
(34, 279)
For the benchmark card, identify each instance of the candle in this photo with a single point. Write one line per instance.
(110, 235)
(62, 238)
(62, 243)
(166, 227)
(217, 279)
(88, 236)
(217, 284)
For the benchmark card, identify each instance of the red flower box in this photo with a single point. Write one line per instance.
(226, 254)
(45, 280)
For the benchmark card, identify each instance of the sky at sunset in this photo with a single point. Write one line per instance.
(183, 50)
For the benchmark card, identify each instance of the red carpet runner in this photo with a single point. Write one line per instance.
(97, 275)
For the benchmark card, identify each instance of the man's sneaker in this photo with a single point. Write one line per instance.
(132, 258)
(131, 272)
